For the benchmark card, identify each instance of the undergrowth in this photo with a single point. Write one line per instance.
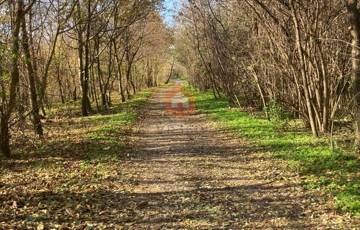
(336, 171)
(66, 178)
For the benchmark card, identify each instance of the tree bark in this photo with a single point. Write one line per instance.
(303, 70)
(83, 52)
(118, 72)
(6, 111)
(32, 81)
(354, 18)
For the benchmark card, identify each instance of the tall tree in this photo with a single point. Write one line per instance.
(8, 101)
(32, 80)
(354, 19)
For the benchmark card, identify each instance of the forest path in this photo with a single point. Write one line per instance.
(184, 173)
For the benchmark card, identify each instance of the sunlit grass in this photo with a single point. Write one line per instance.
(336, 171)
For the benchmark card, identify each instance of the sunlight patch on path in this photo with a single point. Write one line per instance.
(176, 102)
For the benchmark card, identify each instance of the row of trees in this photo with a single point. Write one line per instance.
(296, 54)
(66, 50)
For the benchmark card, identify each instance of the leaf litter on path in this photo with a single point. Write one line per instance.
(177, 172)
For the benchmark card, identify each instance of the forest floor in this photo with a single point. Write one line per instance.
(166, 167)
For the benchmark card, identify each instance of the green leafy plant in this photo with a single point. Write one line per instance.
(335, 172)
(278, 116)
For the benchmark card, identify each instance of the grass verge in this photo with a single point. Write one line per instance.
(335, 171)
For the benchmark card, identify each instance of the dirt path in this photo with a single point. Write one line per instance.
(183, 173)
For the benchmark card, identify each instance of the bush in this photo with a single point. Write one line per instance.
(278, 116)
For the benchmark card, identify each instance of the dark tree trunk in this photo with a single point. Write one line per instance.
(83, 52)
(171, 73)
(6, 111)
(5, 136)
(60, 84)
(119, 73)
(31, 75)
(354, 18)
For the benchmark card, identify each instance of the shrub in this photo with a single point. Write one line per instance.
(278, 116)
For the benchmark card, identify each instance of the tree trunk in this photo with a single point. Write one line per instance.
(14, 76)
(354, 16)
(119, 73)
(100, 79)
(303, 71)
(83, 52)
(262, 96)
(60, 84)
(5, 136)
(128, 81)
(31, 75)
(171, 73)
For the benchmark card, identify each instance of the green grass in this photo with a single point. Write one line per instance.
(99, 137)
(113, 128)
(72, 171)
(322, 168)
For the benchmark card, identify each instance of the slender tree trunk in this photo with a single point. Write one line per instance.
(21, 110)
(128, 81)
(303, 71)
(83, 52)
(74, 92)
(44, 79)
(121, 87)
(118, 72)
(262, 96)
(106, 102)
(171, 73)
(84, 110)
(60, 84)
(32, 81)
(133, 86)
(86, 99)
(93, 92)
